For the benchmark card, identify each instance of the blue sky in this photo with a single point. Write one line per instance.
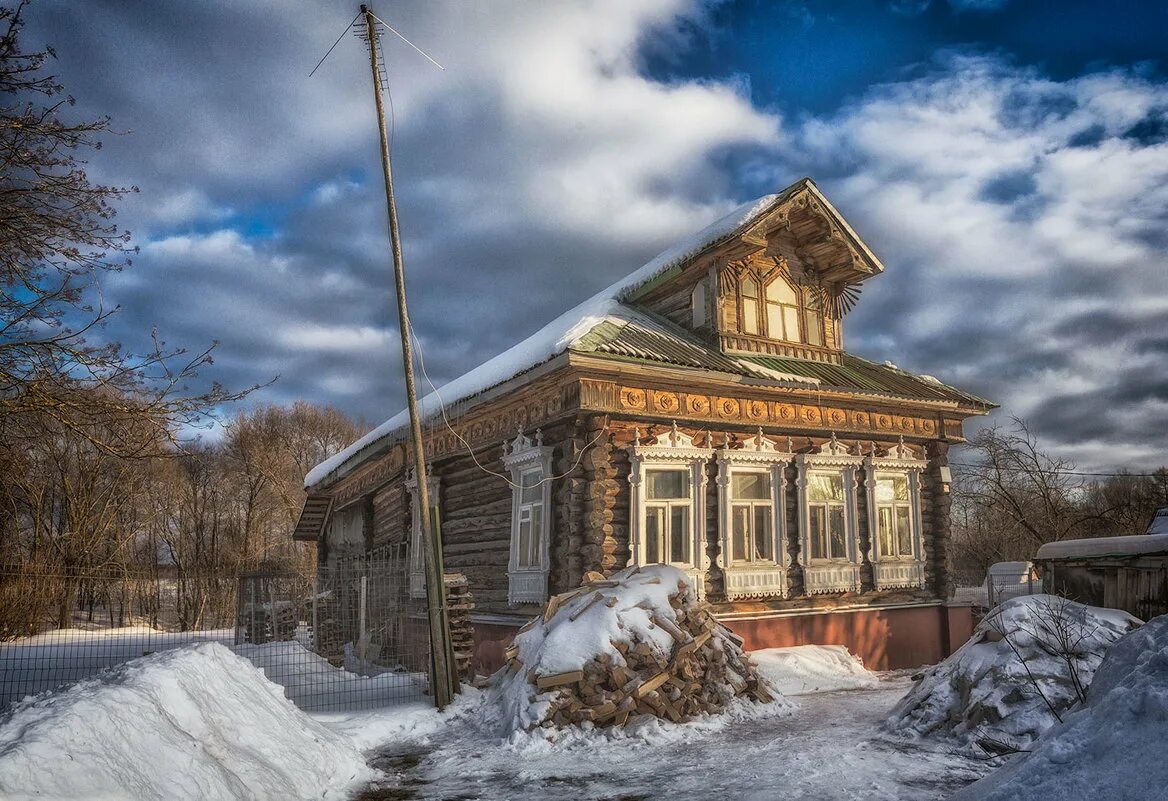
(1007, 160)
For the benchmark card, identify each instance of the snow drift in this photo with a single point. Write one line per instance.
(1025, 666)
(628, 649)
(1113, 747)
(194, 723)
(803, 669)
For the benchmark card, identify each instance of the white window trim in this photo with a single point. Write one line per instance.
(697, 302)
(417, 556)
(754, 580)
(674, 449)
(521, 455)
(830, 575)
(897, 571)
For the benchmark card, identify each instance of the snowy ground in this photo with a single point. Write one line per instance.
(826, 748)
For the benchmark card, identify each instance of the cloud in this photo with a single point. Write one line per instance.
(1022, 263)
(1022, 218)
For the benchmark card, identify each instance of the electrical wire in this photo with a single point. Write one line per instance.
(469, 449)
(334, 47)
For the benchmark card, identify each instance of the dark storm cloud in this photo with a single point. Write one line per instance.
(1021, 218)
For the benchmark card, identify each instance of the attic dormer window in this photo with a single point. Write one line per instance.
(782, 311)
(749, 293)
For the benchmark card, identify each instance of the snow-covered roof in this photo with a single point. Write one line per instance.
(555, 337)
(1104, 546)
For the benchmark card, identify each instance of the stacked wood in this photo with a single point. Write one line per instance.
(460, 603)
(702, 671)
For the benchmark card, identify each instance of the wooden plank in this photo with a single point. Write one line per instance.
(559, 679)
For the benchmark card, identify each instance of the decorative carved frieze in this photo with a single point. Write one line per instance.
(608, 396)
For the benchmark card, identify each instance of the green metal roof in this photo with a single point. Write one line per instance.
(645, 337)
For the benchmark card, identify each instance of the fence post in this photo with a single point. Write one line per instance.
(362, 597)
(315, 593)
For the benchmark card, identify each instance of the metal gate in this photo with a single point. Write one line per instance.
(349, 637)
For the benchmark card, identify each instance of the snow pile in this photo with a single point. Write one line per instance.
(555, 337)
(1104, 546)
(804, 669)
(626, 650)
(193, 723)
(1111, 748)
(1026, 665)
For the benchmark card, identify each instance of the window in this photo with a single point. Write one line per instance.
(530, 518)
(530, 463)
(894, 516)
(698, 305)
(812, 320)
(749, 292)
(667, 521)
(752, 501)
(825, 501)
(417, 541)
(782, 305)
(667, 483)
(751, 518)
(829, 538)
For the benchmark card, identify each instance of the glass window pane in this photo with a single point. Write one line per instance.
(825, 487)
(818, 532)
(666, 484)
(679, 534)
(532, 486)
(884, 490)
(814, 326)
(900, 488)
(764, 544)
(836, 523)
(775, 321)
(524, 550)
(740, 532)
(749, 316)
(749, 288)
(780, 291)
(791, 323)
(654, 526)
(884, 524)
(904, 530)
(750, 486)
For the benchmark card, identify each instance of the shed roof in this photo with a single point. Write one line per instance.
(1104, 546)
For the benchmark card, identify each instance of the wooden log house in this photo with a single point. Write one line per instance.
(701, 412)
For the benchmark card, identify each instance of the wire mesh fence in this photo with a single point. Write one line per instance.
(350, 637)
(347, 637)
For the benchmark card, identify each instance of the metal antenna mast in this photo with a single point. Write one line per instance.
(441, 652)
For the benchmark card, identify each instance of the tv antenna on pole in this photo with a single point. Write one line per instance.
(367, 26)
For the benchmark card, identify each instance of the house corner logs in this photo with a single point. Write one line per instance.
(935, 509)
(599, 551)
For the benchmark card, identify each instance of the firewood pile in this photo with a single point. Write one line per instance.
(640, 645)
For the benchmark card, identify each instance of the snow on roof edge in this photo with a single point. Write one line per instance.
(1104, 546)
(551, 340)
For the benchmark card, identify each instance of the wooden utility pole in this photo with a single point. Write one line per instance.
(442, 680)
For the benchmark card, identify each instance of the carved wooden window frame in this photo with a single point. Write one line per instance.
(754, 579)
(417, 587)
(896, 571)
(835, 574)
(674, 450)
(524, 456)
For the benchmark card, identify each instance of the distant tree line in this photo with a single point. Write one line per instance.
(101, 475)
(1010, 497)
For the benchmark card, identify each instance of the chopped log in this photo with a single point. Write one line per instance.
(652, 684)
(558, 679)
(595, 597)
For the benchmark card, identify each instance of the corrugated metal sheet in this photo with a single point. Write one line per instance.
(645, 338)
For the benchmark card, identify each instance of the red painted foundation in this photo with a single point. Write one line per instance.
(888, 638)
